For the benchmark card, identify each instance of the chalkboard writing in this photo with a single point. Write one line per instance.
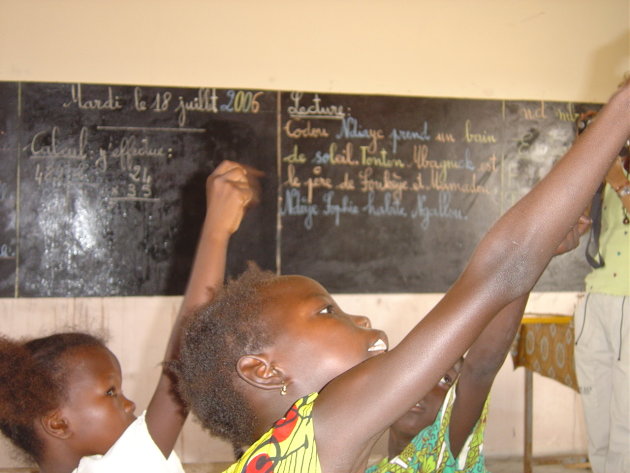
(103, 186)
(393, 193)
(110, 184)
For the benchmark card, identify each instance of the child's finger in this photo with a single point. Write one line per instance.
(583, 224)
(253, 178)
(253, 171)
(248, 177)
(250, 196)
(226, 166)
(229, 166)
(572, 239)
(236, 172)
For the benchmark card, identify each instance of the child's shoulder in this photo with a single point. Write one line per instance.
(290, 441)
(134, 451)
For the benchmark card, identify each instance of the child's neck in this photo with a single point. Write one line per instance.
(55, 467)
(57, 461)
(397, 442)
(269, 409)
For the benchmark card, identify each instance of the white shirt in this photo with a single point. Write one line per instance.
(135, 451)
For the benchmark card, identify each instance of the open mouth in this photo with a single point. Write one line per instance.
(418, 407)
(378, 345)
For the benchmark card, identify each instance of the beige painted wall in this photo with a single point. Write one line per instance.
(537, 49)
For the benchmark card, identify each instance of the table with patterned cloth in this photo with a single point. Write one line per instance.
(544, 344)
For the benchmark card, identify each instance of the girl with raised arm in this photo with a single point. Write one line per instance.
(268, 340)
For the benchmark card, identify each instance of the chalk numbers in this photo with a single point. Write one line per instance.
(135, 191)
(6, 252)
(242, 101)
(237, 101)
(59, 174)
(141, 184)
(161, 101)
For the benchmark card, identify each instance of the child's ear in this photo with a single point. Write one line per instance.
(55, 424)
(257, 371)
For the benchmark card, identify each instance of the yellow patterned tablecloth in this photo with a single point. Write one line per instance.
(544, 344)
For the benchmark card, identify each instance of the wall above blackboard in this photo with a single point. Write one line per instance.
(102, 185)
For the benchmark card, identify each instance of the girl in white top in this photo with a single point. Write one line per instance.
(61, 399)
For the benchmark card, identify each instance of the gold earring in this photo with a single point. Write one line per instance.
(283, 389)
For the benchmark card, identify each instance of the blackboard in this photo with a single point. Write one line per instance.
(105, 184)
(102, 185)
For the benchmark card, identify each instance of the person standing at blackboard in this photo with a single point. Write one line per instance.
(602, 322)
(274, 363)
(61, 398)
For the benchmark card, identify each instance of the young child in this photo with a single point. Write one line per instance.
(420, 424)
(61, 398)
(449, 422)
(269, 340)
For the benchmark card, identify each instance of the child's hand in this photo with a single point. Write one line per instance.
(230, 189)
(572, 240)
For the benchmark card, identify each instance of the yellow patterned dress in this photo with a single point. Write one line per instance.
(430, 451)
(288, 447)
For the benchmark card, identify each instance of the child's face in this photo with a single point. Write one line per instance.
(96, 410)
(425, 411)
(314, 340)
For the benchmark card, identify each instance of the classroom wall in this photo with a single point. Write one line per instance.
(574, 50)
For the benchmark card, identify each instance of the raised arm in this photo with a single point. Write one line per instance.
(229, 190)
(505, 266)
(488, 352)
